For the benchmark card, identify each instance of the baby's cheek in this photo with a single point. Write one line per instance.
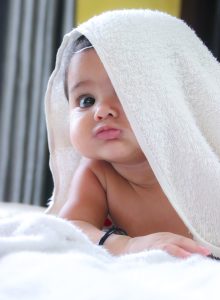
(80, 129)
(74, 136)
(74, 127)
(78, 138)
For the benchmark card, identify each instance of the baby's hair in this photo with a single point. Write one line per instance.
(78, 45)
(81, 43)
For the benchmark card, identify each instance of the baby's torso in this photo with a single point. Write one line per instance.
(140, 211)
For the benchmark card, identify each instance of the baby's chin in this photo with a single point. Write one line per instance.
(113, 151)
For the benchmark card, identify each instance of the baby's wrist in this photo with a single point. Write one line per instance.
(109, 232)
(117, 244)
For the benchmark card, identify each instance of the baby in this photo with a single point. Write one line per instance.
(114, 177)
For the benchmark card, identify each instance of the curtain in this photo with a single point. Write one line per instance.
(33, 33)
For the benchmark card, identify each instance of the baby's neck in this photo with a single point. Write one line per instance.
(139, 174)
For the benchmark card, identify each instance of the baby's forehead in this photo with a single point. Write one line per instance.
(83, 57)
(88, 59)
(87, 74)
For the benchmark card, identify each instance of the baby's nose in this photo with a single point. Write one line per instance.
(105, 111)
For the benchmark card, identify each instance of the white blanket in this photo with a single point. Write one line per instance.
(43, 257)
(169, 86)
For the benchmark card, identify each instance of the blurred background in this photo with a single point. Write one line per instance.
(30, 34)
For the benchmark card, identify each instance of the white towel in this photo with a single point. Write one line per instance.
(169, 86)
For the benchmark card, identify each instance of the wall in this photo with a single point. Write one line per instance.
(87, 8)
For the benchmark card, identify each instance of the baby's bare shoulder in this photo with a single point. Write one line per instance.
(96, 166)
(99, 168)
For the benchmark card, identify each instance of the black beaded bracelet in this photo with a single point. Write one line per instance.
(110, 231)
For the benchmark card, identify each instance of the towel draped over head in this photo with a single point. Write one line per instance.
(169, 86)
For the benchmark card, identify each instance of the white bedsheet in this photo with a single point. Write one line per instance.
(43, 257)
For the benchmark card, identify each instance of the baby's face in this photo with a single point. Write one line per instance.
(99, 128)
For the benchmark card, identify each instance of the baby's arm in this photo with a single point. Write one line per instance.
(87, 205)
(87, 208)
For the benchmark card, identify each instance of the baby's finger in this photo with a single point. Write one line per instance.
(176, 251)
(191, 246)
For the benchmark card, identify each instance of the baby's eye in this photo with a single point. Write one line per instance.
(86, 101)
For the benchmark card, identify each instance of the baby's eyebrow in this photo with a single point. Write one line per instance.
(80, 84)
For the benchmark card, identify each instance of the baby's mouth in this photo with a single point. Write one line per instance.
(107, 133)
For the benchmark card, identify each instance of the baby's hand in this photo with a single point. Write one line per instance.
(174, 244)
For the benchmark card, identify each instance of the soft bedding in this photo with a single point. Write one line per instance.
(44, 257)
